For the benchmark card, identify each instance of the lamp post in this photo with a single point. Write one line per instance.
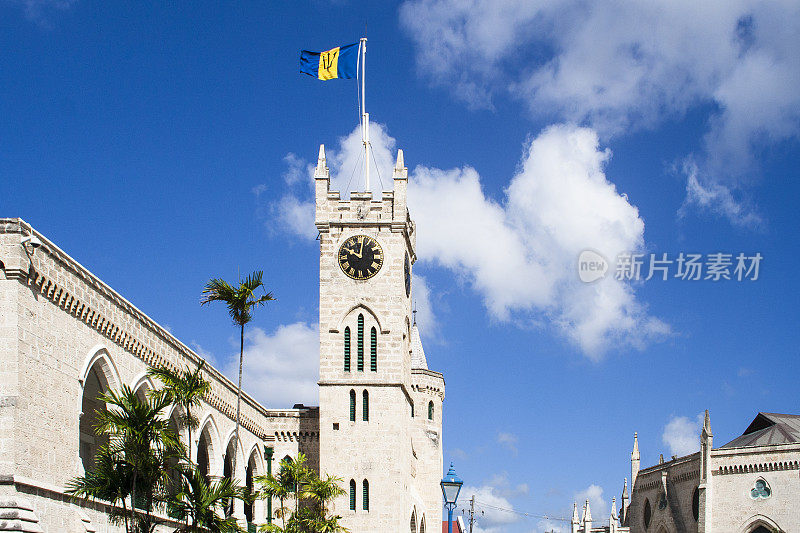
(451, 486)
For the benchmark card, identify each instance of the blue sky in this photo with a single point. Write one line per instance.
(162, 145)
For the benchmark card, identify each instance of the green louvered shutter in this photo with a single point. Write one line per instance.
(365, 407)
(360, 343)
(373, 350)
(347, 349)
(352, 495)
(366, 495)
(352, 405)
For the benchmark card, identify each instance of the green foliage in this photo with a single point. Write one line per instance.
(303, 498)
(203, 504)
(240, 300)
(131, 465)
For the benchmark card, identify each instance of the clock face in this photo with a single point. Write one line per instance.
(408, 276)
(360, 257)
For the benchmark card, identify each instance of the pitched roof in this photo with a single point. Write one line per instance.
(769, 428)
(418, 359)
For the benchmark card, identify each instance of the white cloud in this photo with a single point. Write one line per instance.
(280, 368)
(597, 504)
(508, 440)
(715, 197)
(37, 10)
(502, 485)
(625, 65)
(493, 511)
(682, 435)
(521, 255)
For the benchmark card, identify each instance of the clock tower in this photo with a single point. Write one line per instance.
(380, 406)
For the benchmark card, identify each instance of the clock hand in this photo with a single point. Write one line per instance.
(349, 251)
(362, 250)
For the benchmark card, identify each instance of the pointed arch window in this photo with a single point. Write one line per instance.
(352, 405)
(360, 367)
(430, 410)
(352, 494)
(373, 349)
(412, 409)
(347, 349)
(365, 406)
(365, 495)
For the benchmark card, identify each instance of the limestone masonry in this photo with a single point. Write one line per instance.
(66, 336)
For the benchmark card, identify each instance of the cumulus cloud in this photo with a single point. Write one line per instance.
(682, 434)
(493, 511)
(558, 204)
(426, 318)
(626, 65)
(598, 505)
(280, 368)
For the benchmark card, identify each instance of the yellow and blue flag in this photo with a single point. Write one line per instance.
(339, 62)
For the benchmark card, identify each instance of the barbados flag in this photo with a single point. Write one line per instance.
(339, 62)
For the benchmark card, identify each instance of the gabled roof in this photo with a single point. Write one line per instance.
(418, 359)
(769, 428)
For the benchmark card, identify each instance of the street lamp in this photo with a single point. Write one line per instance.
(451, 486)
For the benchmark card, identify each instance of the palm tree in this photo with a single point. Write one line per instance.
(184, 388)
(241, 301)
(132, 463)
(204, 504)
(302, 488)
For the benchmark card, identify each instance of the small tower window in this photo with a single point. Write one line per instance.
(352, 405)
(352, 494)
(373, 350)
(430, 410)
(365, 495)
(648, 513)
(412, 409)
(360, 343)
(365, 406)
(347, 349)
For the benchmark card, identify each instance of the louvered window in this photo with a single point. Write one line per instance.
(347, 349)
(360, 343)
(352, 494)
(365, 407)
(352, 405)
(365, 495)
(373, 350)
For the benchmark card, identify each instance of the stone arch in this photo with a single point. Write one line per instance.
(208, 442)
(98, 376)
(354, 310)
(144, 384)
(753, 523)
(252, 469)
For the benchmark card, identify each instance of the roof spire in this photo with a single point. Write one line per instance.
(587, 517)
(574, 512)
(625, 489)
(707, 424)
(322, 167)
(399, 165)
(635, 452)
(613, 508)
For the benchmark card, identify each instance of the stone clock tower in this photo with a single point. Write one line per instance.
(380, 406)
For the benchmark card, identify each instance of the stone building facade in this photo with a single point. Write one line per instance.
(749, 485)
(390, 411)
(65, 336)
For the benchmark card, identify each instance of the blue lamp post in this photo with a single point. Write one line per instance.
(451, 486)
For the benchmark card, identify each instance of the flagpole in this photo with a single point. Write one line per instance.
(364, 115)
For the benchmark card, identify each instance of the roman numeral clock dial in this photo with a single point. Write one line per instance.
(360, 257)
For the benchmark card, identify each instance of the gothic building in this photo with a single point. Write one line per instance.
(65, 336)
(749, 485)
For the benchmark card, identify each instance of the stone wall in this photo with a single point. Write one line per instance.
(58, 323)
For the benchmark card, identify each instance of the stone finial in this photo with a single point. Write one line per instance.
(635, 452)
(707, 424)
(661, 458)
(322, 167)
(575, 512)
(399, 165)
(587, 515)
(625, 490)
(613, 508)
